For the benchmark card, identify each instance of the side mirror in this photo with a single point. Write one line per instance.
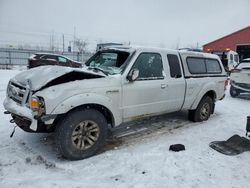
(133, 75)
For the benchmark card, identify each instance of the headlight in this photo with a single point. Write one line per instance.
(34, 103)
(37, 105)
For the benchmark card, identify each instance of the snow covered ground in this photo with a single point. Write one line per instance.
(137, 160)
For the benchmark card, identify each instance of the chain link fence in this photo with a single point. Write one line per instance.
(17, 57)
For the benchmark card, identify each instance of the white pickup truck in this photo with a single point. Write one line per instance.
(118, 84)
(240, 78)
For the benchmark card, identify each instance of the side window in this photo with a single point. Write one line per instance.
(236, 58)
(213, 66)
(174, 65)
(231, 57)
(150, 66)
(196, 65)
(49, 57)
(62, 59)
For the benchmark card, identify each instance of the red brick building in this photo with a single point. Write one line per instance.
(238, 41)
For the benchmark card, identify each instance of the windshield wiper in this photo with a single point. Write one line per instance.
(98, 69)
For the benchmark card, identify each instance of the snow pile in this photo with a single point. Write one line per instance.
(138, 160)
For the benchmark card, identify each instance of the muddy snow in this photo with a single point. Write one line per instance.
(138, 156)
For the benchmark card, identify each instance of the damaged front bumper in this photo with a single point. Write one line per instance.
(22, 115)
(26, 120)
(18, 96)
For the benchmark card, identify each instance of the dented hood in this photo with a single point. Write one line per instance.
(44, 75)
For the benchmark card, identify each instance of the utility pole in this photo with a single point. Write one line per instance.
(49, 42)
(63, 42)
(197, 45)
(74, 41)
(52, 41)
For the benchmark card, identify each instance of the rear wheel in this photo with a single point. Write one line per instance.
(203, 110)
(81, 134)
(234, 92)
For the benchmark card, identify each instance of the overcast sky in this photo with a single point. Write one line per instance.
(165, 23)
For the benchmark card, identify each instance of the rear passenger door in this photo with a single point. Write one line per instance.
(176, 84)
(49, 60)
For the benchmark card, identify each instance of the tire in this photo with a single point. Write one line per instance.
(81, 134)
(203, 110)
(234, 92)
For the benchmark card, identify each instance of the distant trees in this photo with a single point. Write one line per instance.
(80, 44)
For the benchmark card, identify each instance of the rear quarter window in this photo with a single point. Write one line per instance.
(196, 65)
(203, 65)
(174, 65)
(213, 66)
(35, 56)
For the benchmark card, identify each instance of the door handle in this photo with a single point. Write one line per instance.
(163, 86)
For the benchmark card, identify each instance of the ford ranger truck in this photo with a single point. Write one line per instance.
(117, 85)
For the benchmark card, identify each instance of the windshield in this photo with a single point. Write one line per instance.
(243, 65)
(245, 61)
(109, 61)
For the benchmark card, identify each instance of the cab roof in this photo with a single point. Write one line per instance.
(157, 49)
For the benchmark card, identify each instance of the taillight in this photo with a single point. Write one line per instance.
(225, 84)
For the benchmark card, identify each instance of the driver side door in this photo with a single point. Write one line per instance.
(146, 95)
(64, 62)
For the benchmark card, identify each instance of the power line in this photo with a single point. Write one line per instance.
(56, 33)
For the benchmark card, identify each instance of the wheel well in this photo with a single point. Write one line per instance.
(211, 94)
(105, 111)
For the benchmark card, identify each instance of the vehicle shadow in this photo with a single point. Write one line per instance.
(43, 146)
(245, 96)
(132, 132)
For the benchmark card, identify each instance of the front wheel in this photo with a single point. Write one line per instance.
(203, 110)
(234, 92)
(81, 134)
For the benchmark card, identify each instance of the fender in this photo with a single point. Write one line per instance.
(211, 86)
(89, 98)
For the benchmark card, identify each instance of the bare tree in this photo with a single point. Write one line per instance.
(80, 44)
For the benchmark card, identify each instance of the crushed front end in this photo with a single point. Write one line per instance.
(25, 108)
